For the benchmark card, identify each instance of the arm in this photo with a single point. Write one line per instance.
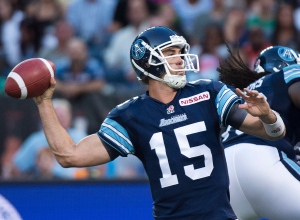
(260, 115)
(88, 152)
(294, 91)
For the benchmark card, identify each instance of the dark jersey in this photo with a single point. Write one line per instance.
(180, 147)
(275, 88)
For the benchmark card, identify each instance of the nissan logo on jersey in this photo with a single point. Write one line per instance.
(195, 99)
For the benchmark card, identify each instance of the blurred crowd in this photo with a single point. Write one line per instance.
(89, 42)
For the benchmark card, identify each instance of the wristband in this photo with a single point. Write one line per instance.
(276, 129)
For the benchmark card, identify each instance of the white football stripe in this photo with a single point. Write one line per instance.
(48, 66)
(18, 79)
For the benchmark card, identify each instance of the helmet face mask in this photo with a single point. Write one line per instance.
(275, 58)
(148, 60)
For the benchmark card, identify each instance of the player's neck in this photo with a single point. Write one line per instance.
(162, 92)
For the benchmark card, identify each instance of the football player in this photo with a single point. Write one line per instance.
(174, 129)
(264, 175)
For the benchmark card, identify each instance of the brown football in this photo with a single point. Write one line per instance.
(30, 78)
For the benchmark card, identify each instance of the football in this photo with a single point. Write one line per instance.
(30, 78)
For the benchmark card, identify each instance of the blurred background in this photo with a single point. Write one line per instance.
(89, 42)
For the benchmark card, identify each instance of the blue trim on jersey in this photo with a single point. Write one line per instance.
(224, 101)
(291, 73)
(116, 135)
(101, 135)
(291, 163)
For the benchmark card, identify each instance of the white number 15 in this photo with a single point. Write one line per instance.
(157, 144)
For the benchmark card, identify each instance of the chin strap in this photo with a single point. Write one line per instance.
(173, 81)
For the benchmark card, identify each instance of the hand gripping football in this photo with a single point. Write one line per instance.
(30, 78)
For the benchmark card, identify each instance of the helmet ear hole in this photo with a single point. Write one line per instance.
(145, 79)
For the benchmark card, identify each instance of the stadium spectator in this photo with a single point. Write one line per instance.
(25, 158)
(296, 15)
(31, 38)
(14, 130)
(216, 16)
(45, 161)
(237, 3)
(262, 14)
(125, 168)
(212, 51)
(90, 20)
(285, 32)
(46, 13)
(80, 79)
(234, 28)
(63, 32)
(10, 53)
(255, 43)
(165, 15)
(117, 62)
(177, 140)
(120, 18)
(264, 172)
(11, 145)
(189, 10)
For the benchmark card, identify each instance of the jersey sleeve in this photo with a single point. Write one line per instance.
(116, 136)
(291, 74)
(224, 101)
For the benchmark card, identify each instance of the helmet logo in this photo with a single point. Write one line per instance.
(138, 49)
(286, 54)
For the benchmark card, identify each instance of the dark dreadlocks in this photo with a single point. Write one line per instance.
(233, 71)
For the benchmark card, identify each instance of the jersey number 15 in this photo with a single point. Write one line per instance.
(157, 144)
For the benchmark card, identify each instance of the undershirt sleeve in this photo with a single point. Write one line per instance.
(113, 154)
(236, 116)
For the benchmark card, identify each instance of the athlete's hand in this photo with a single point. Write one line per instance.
(257, 105)
(47, 95)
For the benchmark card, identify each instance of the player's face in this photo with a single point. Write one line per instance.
(174, 62)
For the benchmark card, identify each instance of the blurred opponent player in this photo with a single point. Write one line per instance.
(264, 175)
(174, 129)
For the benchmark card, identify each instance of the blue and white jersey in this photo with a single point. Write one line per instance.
(180, 147)
(275, 88)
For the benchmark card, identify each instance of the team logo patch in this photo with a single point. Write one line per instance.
(195, 99)
(138, 49)
(286, 54)
(170, 109)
